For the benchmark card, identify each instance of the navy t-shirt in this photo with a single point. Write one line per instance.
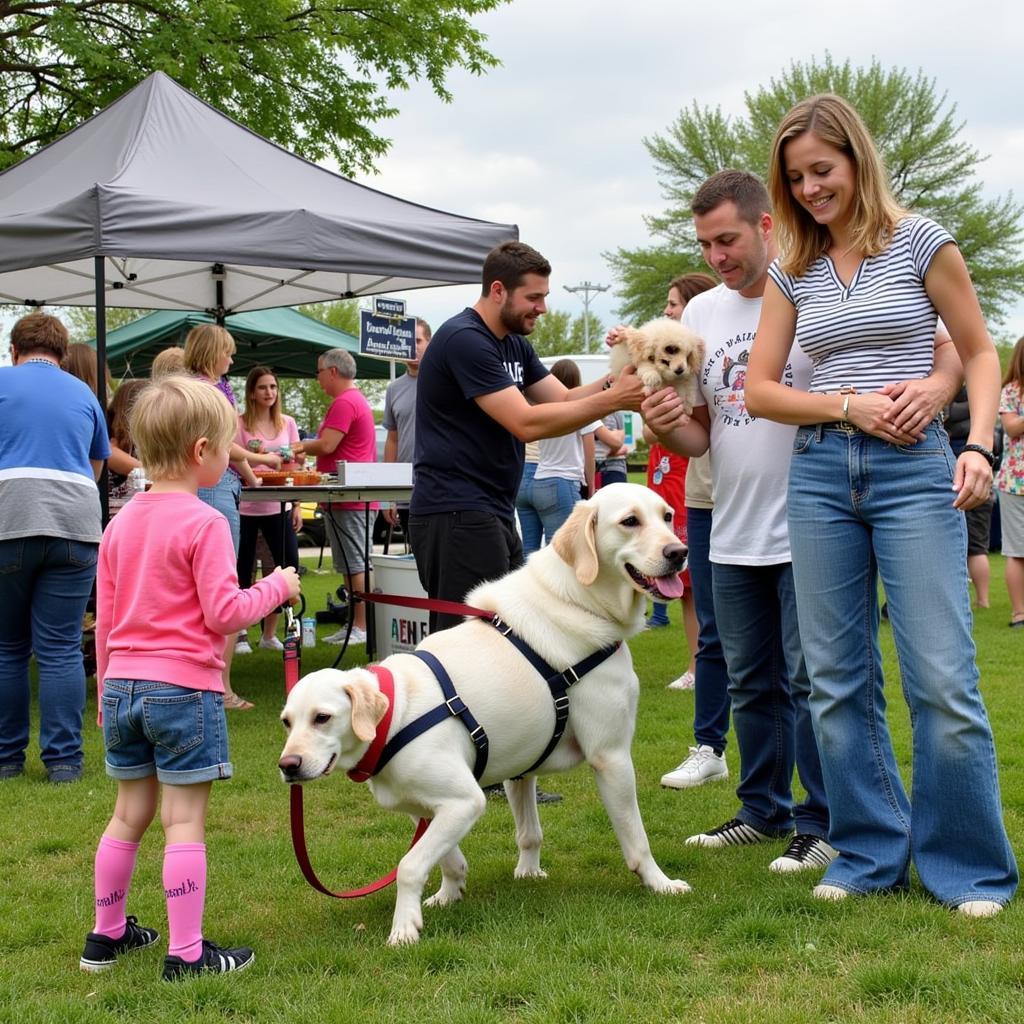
(464, 459)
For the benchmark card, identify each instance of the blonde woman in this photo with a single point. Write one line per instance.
(860, 288)
(209, 350)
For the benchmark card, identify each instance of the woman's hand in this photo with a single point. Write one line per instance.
(915, 403)
(272, 459)
(972, 481)
(296, 516)
(663, 411)
(872, 411)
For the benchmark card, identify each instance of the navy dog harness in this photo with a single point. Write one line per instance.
(453, 706)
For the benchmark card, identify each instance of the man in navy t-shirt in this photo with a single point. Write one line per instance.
(482, 394)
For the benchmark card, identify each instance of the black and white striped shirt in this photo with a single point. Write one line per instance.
(879, 329)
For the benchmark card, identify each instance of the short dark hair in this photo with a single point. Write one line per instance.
(744, 189)
(510, 262)
(427, 332)
(40, 332)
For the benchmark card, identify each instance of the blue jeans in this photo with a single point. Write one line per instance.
(711, 689)
(755, 608)
(530, 525)
(45, 583)
(859, 509)
(554, 499)
(224, 496)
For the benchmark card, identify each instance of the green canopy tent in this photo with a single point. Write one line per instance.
(283, 339)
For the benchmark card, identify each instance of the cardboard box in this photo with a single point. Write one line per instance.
(375, 474)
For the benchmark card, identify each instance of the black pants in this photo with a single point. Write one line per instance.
(280, 537)
(457, 550)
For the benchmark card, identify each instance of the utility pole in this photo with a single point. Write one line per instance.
(586, 288)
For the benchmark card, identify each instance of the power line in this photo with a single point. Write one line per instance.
(586, 288)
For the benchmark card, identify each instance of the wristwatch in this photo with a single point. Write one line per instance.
(983, 451)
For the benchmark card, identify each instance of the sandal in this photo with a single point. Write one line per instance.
(233, 702)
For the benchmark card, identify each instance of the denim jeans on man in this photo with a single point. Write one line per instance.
(711, 686)
(860, 508)
(755, 609)
(45, 583)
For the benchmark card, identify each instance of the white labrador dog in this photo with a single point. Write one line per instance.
(586, 590)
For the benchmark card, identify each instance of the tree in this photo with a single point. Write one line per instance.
(931, 168)
(559, 333)
(310, 74)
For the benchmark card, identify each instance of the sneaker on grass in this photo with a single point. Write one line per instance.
(733, 833)
(242, 646)
(804, 852)
(685, 682)
(101, 951)
(703, 765)
(214, 960)
(271, 643)
(358, 636)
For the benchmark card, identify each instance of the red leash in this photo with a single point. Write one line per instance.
(292, 663)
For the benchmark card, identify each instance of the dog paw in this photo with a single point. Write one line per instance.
(650, 379)
(670, 886)
(446, 895)
(530, 872)
(404, 935)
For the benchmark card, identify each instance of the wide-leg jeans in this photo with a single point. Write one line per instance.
(860, 508)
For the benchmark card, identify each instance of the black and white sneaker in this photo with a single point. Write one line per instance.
(215, 960)
(101, 951)
(804, 852)
(733, 833)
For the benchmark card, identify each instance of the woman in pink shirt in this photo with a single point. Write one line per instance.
(166, 597)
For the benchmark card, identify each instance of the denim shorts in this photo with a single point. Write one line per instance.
(179, 735)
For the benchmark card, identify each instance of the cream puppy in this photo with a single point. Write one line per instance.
(664, 352)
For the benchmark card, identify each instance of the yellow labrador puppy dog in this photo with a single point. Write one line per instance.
(586, 590)
(663, 352)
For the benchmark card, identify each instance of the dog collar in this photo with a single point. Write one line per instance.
(368, 762)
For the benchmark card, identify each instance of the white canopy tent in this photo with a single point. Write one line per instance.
(161, 201)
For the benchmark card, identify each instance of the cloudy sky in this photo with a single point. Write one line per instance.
(552, 140)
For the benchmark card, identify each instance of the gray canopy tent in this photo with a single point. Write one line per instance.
(160, 201)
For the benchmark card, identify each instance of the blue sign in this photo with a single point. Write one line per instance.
(388, 307)
(386, 337)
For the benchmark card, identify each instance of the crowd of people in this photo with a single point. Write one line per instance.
(813, 466)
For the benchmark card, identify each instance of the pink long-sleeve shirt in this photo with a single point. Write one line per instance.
(167, 593)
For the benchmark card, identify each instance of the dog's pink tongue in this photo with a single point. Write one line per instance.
(669, 586)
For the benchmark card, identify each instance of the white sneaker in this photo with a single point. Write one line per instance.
(829, 892)
(684, 682)
(358, 636)
(979, 908)
(242, 647)
(271, 643)
(733, 833)
(703, 765)
(804, 852)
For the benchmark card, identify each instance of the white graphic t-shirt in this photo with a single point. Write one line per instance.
(750, 457)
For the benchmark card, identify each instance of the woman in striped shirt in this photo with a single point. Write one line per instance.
(860, 288)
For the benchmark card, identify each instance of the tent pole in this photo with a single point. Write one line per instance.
(101, 364)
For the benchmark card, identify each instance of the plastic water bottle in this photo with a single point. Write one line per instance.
(309, 632)
(137, 480)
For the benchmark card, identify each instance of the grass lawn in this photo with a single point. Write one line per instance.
(586, 945)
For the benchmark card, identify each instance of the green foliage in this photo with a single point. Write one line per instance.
(81, 320)
(311, 75)
(559, 333)
(933, 172)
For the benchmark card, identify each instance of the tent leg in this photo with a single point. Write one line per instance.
(101, 364)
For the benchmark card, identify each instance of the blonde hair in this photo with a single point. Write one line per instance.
(168, 417)
(875, 212)
(205, 346)
(170, 360)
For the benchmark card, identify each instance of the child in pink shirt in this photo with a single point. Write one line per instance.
(167, 595)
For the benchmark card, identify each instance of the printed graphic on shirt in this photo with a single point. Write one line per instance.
(724, 379)
(515, 371)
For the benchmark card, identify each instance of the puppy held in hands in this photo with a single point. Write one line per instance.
(664, 352)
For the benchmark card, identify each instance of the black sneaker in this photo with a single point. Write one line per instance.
(804, 851)
(101, 951)
(733, 833)
(215, 960)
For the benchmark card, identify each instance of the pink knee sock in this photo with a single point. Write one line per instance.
(185, 889)
(115, 862)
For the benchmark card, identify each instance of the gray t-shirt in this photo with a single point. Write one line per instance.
(400, 414)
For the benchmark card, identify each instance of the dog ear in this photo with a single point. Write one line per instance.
(369, 706)
(696, 357)
(575, 542)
